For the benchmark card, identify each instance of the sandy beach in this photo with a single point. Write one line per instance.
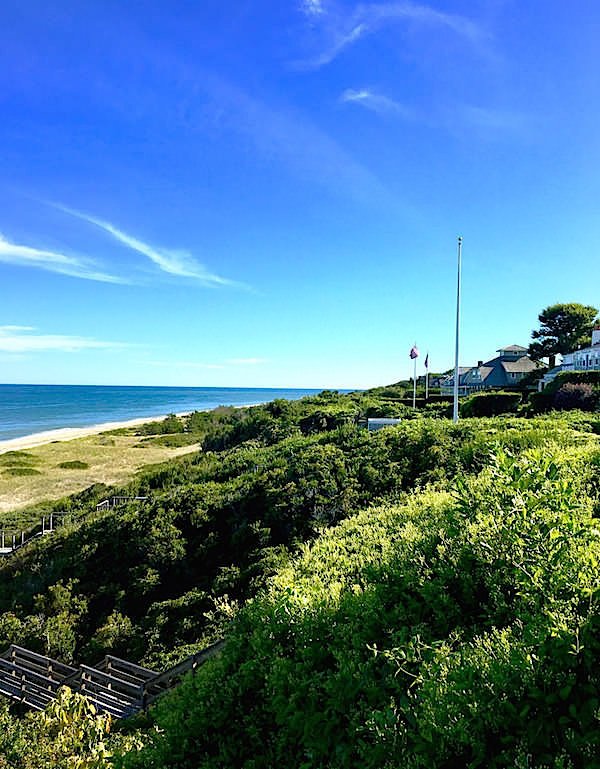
(70, 433)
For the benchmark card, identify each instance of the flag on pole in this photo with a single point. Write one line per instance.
(414, 353)
(427, 361)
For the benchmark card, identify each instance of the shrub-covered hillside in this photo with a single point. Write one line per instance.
(457, 629)
(352, 573)
(155, 581)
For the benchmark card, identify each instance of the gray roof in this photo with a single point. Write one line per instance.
(521, 366)
(462, 370)
(513, 348)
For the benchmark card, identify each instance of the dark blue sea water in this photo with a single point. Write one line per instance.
(27, 409)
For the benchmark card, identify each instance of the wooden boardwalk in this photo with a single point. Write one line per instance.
(114, 685)
(12, 541)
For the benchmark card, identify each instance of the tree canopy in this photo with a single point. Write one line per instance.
(563, 328)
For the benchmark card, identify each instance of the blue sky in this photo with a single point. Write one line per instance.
(270, 193)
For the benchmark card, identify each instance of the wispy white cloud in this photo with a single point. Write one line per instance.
(199, 364)
(376, 102)
(174, 262)
(293, 139)
(312, 7)
(341, 31)
(53, 261)
(21, 339)
(183, 364)
(247, 361)
(490, 121)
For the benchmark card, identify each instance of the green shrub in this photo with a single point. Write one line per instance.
(452, 631)
(69, 734)
(21, 471)
(170, 424)
(489, 404)
(173, 441)
(18, 458)
(591, 377)
(74, 464)
(576, 396)
(540, 402)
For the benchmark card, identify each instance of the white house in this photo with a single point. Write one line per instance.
(585, 359)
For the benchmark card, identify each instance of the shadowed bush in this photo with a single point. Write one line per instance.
(576, 396)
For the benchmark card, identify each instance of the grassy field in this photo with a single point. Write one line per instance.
(57, 469)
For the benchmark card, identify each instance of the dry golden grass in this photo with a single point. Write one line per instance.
(111, 459)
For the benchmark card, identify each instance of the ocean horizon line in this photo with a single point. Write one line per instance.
(184, 387)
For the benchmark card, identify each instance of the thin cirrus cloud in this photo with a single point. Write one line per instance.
(340, 32)
(376, 102)
(312, 7)
(198, 364)
(22, 339)
(53, 261)
(247, 361)
(296, 142)
(183, 364)
(175, 262)
(490, 122)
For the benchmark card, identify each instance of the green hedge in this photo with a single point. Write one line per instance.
(573, 377)
(489, 404)
(540, 403)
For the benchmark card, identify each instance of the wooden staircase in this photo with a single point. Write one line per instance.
(114, 685)
(10, 542)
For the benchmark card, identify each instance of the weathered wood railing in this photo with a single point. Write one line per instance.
(111, 502)
(154, 687)
(114, 685)
(31, 678)
(12, 541)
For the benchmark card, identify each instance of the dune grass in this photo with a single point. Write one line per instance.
(60, 468)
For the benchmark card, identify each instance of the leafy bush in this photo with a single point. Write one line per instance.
(539, 402)
(170, 424)
(591, 377)
(451, 631)
(69, 734)
(576, 396)
(173, 441)
(18, 458)
(489, 404)
(22, 471)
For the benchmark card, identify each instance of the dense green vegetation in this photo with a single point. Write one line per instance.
(563, 328)
(423, 596)
(434, 633)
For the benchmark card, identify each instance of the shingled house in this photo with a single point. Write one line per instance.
(506, 370)
(584, 359)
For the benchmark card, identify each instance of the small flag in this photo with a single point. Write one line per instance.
(414, 353)
(427, 361)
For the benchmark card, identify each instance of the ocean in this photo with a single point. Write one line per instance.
(28, 409)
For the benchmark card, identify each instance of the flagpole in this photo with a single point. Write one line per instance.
(415, 380)
(427, 376)
(456, 372)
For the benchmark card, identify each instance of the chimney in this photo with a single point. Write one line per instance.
(479, 363)
(596, 335)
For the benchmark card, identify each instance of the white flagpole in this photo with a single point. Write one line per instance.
(415, 380)
(456, 374)
(427, 377)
